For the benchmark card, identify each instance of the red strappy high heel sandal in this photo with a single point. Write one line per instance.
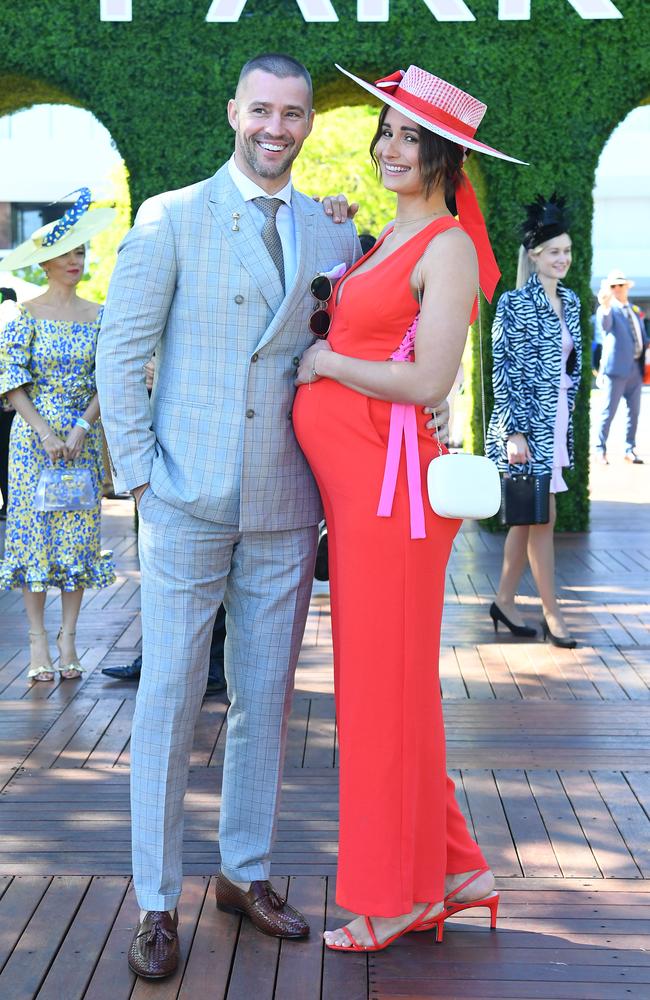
(376, 945)
(491, 902)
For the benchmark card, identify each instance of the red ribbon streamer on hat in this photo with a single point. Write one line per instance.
(472, 221)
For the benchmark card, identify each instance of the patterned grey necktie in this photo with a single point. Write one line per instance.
(270, 235)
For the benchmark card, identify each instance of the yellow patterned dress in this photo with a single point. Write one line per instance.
(54, 360)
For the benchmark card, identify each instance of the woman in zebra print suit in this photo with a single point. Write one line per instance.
(536, 373)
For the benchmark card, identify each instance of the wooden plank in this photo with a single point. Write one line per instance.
(427, 988)
(208, 727)
(75, 962)
(473, 673)
(569, 843)
(523, 672)
(496, 669)
(256, 960)
(297, 733)
(208, 965)
(319, 745)
(628, 678)
(344, 976)
(461, 799)
(490, 822)
(628, 815)
(580, 685)
(599, 675)
(114, 740)
(112, 979)
(33, 953)
(299, 968)
(131, 635)
(60, 733)
(534, 848)
(607, 845)
(5, 882)
(546, 668)
(452, 684)
(19, 901)
(76, 751)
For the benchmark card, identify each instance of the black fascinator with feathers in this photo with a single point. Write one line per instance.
(545, 219)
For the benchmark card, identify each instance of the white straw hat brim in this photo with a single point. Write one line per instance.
(446, 133)
(617, 279)
(30, 252)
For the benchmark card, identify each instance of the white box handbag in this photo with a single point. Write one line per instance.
(462, 485)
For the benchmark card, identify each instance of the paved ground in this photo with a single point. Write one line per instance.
(549, 748)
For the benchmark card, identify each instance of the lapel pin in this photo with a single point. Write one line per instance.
(235, 222)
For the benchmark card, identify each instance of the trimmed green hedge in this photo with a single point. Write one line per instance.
(555, 87)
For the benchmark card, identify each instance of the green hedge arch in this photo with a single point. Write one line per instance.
(556, 86)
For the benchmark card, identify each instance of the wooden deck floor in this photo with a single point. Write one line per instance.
(550, 750)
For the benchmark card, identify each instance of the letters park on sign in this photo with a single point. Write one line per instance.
(230, 11)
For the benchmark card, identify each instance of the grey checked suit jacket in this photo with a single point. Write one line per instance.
(618, 342)
(217, 438)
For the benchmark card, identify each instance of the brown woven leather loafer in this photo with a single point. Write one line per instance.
(154, 949)
(269, 912)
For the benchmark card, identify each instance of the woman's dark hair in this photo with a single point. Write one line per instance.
(440, 161)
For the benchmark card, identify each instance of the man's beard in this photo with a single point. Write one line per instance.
(250, 152)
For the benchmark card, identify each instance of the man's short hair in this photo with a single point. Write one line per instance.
(279, 65)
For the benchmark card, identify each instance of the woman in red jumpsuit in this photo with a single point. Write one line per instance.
(406, 858)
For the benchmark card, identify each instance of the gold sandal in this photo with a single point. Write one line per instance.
(69, 671)
(43, 672)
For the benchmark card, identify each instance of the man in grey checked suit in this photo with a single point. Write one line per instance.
(218, 283)
(228, 507)
(622, 361)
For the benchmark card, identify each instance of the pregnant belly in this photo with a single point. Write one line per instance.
(333, 424)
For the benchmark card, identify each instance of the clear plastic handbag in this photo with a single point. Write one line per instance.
(61, 488)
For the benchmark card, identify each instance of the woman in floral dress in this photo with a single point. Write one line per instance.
(47, 373)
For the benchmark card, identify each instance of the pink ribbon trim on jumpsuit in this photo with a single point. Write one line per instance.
(403, 424)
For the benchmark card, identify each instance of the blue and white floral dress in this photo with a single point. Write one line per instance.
(54, 361)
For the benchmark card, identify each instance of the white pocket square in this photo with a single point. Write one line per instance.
(337, 271)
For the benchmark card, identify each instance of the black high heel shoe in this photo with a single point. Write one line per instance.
(522, 631)
(566, 643)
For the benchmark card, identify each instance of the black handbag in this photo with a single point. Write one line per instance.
(524, 498)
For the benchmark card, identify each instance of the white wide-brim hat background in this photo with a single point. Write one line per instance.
(32, 250)
(617, 278)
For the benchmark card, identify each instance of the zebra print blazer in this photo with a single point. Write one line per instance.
(526, 370)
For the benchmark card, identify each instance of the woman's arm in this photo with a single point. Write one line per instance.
(448, 274)
(508, 361)
(76, 437)
(53, 445)
(510, 395)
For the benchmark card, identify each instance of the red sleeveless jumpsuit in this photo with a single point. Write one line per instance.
(400, 827)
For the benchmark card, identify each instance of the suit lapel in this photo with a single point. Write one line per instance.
(304, 220)
(243, 238)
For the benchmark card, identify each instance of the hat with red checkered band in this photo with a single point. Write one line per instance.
(433, 104)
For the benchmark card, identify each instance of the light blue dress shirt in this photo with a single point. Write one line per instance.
(283, 220)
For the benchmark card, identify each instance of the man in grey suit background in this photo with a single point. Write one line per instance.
(215, 277)
(624, 341)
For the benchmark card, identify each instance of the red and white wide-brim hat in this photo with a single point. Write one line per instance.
(433, 104)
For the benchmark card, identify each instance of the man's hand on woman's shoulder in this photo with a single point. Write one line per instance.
(338, 207)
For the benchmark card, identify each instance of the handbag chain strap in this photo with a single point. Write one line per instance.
(480, 354)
